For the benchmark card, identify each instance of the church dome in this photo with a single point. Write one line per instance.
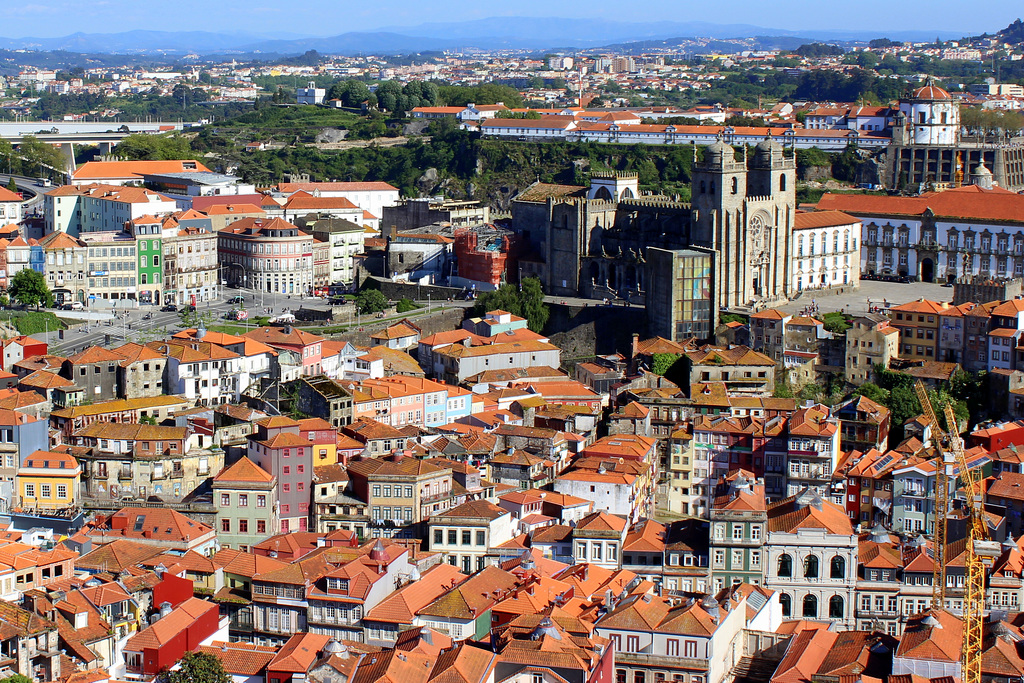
(766, 151)
(718, 153)
(930, 92)
(982, 169)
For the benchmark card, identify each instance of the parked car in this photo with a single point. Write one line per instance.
(73, 306)
(169, 308)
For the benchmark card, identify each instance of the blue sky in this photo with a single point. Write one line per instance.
(49, 18)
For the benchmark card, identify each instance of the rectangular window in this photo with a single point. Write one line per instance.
(62, 491)
(225, 526)
(44, 490)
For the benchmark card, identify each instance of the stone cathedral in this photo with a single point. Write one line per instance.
(593, 241)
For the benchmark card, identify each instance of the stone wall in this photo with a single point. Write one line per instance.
(440, 321)
(586, 331)
(410, 290)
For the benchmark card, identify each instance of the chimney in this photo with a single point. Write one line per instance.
(634, 344)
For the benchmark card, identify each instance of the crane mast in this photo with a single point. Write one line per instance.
(979, 548)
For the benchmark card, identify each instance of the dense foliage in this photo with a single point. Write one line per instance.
(32, 158)
(28, 287)
(196, 667)
(818, 50)
(371, 301)
(528, 303)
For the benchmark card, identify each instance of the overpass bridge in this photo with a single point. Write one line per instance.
(67, 134)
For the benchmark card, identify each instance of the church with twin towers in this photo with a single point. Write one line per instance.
(597, 241)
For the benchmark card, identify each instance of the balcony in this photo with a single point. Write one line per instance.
(876, 613)
(663, 661)
(124, 475)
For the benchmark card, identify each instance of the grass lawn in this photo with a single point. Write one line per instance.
(32, 322)
(237, 330)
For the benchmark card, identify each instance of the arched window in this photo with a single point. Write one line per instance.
(735, 185)
(785, 566)
(811, 567)
(800, 246)
(810, 606)
(835, 607)
(835, 243)
(787, 604)
(824, 244)
(838, 570)
(782, 183)
(811, 240)
(712, 187)
(703, 187)
(846, 240)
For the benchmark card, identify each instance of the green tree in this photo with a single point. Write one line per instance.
(533, 307)
(28, 287)
(192, 318)
(782, 390)
(835, 322)
(529, 303)
(37, 153)
(16, 678)
(405, 305)
(661, 362)
(371, 301)
(12, 186)
(196, 667)
(874, 392)
(903, 405)
(154, 147)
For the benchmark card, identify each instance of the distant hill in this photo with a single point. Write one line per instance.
(1012, 34)
(526, 33)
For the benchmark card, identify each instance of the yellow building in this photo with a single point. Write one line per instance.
(675, 491)
(324, 438)
(49, 481)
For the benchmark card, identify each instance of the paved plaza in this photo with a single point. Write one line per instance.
(855, 301)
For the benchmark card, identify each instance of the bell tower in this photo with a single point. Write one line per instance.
(718, 196)
(718, 187)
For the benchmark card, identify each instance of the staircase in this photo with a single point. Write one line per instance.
(755, 669)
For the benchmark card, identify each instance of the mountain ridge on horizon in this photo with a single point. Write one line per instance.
(527, 33)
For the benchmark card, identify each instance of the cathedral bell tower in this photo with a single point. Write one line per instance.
(719, 185)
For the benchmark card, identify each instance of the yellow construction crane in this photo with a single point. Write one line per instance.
(978, 548)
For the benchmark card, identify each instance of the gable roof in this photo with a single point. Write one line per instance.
(245, 470)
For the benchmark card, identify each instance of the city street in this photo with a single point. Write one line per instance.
(111, 326)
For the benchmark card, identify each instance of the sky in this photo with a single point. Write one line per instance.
(52, 18)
